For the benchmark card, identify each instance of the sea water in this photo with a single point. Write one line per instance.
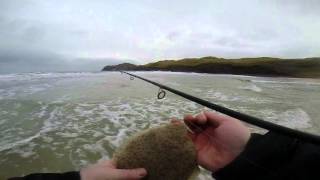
(55, 122)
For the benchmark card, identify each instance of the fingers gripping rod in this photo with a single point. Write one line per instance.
(241, 116)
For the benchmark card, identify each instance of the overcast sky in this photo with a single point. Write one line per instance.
(43, 35)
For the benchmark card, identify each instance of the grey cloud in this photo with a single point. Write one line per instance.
(173, 35)
(303, 7)
(231, 42)
(7, 6)
(33, 34)
(32, 61)
(26, 61)
(80, 34)
(19, 32)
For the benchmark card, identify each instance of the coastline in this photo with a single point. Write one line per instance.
(261, 67)
(220, 74)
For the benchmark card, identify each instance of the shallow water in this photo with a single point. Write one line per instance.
(52, 122)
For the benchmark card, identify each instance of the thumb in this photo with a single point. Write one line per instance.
(214, 118)
(125, 174)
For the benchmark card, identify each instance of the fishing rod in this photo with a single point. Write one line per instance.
(241, 116)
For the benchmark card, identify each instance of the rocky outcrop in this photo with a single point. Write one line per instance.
(120, 67)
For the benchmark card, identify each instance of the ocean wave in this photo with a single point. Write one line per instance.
(235, 97)
(251, 87)
(49, 124)
(302, 81)
(19, 143)
(292, 118)
(295, 118)
(39, 76)
(221, 96)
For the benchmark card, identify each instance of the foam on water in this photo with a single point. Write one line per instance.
(48, 125)
(252, 87)
(236, 97)
(2, 121)
(221, 96)
(292, 81)
(293, 118)
(19, 143)
(37, 76)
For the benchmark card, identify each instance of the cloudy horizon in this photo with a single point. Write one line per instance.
(86, 35)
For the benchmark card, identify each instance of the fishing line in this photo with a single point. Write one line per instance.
(241, 116)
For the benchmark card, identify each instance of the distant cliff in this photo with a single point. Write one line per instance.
(120, 67)
(263, 66)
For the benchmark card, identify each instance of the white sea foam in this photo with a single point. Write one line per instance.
(48, 125)
(98, 134)
(252, 87)
(67, 134)
(116, 140)
(302, 81)
(8, 93)
(47, 139)
(2, 121)
(221, 96)
(19, 143)
(43, 110)
(37, 76)
(27, 152)
(36, 88)
(295, 118)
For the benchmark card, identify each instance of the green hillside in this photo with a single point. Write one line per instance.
(262, 66)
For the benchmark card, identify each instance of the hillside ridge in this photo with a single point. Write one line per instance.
(261, 66)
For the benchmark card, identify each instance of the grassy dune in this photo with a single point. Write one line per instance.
(263, 66)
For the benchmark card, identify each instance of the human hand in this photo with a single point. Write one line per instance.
(220, 141)
(106, 170)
